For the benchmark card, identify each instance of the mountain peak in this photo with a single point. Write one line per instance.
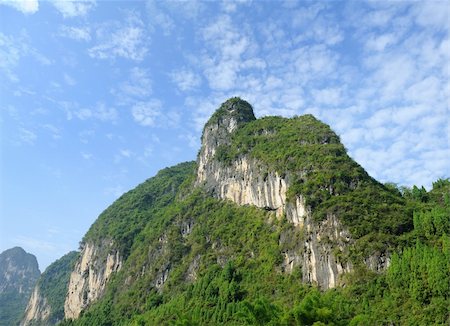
(231, 114)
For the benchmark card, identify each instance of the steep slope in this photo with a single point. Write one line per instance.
(298, 210)
(46, 305)
(299, 169)
(110, 239)
(19, 272)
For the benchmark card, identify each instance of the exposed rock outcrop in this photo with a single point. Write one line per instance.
(92, 271)
(248, 182)
(46, 305)
(19, 273)
(38, 309)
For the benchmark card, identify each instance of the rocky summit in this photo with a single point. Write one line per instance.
(19, 272)
(274, 224)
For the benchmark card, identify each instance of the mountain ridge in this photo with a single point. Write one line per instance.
(19, 271)
(272, 200)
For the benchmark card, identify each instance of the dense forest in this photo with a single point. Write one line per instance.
(246, 291)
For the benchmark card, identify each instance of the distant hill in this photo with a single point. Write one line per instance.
(19, 272)
(46, 304)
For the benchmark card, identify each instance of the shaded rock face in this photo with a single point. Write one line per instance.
(19, 273)
(90, 275)
(248, 182)
(37, 311)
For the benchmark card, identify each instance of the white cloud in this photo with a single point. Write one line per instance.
(86, 135)
(138, 85)
(27, 136)
(146, 113)
(74, 8)
(159, 18)
(86, 156)
(126, 40)
(11, 51)
(24, 6)
(229, 46)
(54, 131)
(100, 112)
(69, 80)
(104, 113)
(76, 33)
(380, 42)
(433, 13)
(126, 153)
(185, 80)
(328, 96)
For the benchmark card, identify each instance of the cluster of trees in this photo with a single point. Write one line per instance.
(246, 288)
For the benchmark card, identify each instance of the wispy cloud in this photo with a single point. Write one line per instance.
(137, 86)
(27, 136)
(69, 80)
(127, 40)
(86, 156)
(146, 113)
(126, 153)
(100, 111)
(74, 8)
(158, 18)
(54, 131)
(185, 79)
(85, 136)
(24, 6)
(76, 33)
(13, 49)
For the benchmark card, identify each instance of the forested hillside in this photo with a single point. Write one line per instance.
(173, 251)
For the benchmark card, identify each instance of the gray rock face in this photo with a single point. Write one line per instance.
(19, 273)
(88, 280)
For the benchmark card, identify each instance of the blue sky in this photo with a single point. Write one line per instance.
(96, 97)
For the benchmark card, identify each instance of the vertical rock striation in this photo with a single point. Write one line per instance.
(19, 273)
(37, 311)
(246, 181)
(46, 305)
(91, 273)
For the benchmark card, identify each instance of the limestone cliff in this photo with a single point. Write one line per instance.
(93, 269)
(46, 305)
(311, 194)
(19, 273)
(38, 309)
(247, 181)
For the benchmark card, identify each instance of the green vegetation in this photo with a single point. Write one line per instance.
(237, 280)
(311, 155)
(234, 106)
(126, 217)
(53, 286)
(191, 259)
(19, 273)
